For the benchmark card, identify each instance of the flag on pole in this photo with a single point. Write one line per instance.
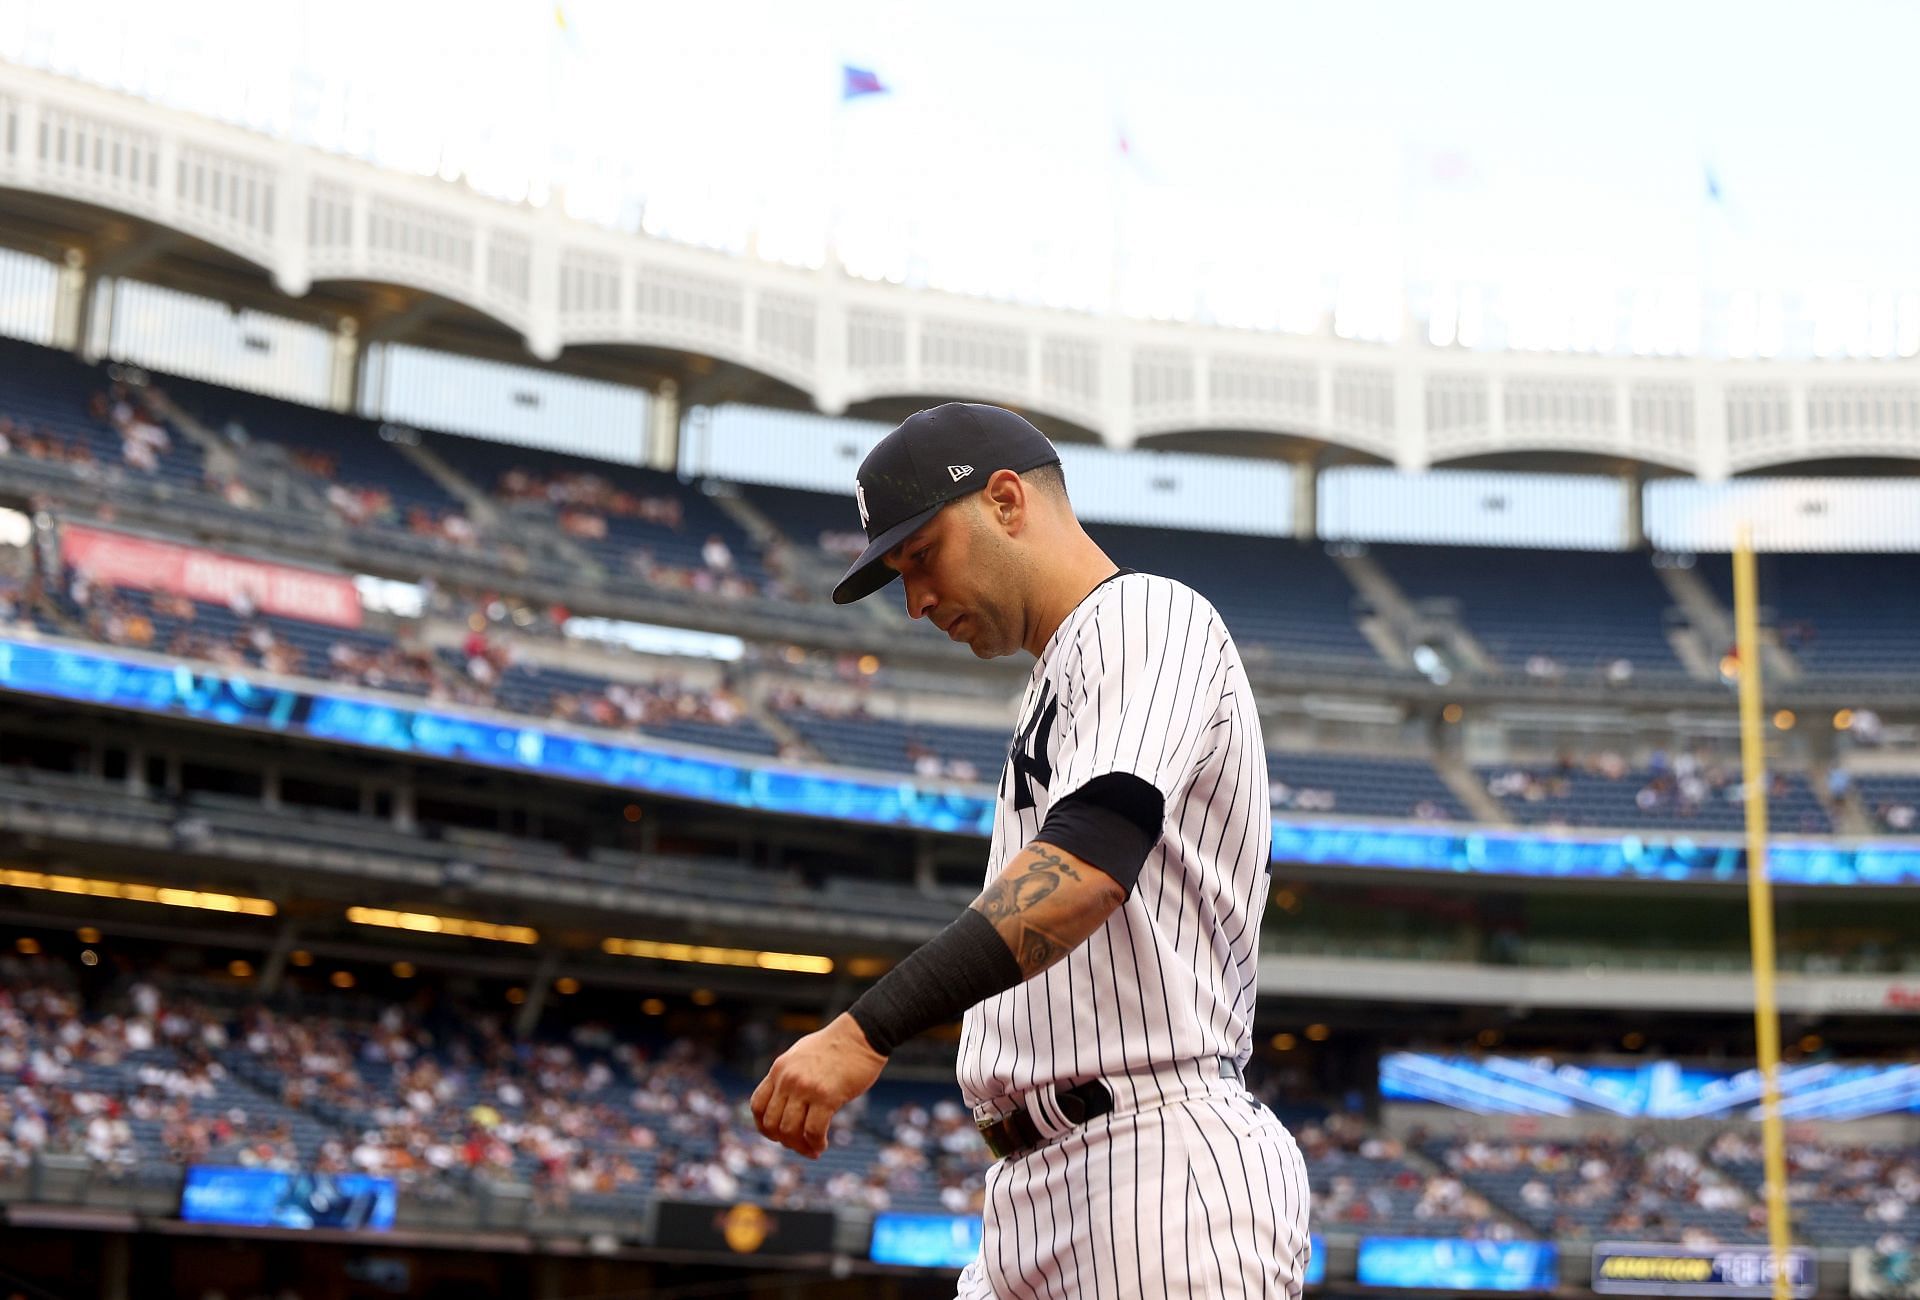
(857, 83)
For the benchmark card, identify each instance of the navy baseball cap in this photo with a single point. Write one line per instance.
(936, 456)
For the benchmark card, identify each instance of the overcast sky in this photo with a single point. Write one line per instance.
(1506, 174)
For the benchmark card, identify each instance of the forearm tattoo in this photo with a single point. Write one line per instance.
(1039, 922)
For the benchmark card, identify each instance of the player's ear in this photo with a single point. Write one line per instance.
(1006, 501)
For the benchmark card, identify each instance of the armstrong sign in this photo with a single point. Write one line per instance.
(1649, 1268)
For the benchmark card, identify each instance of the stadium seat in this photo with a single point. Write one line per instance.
(1855, 615)
(1354, 786)
(1581, 609)
(1575, 796)
(52, 393)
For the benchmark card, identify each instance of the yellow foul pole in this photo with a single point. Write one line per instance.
(1766, 1014)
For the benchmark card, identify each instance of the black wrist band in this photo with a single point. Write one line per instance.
(966, 963)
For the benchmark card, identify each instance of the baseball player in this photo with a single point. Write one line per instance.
(1106, 972)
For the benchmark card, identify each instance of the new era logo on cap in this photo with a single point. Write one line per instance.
(899, 488)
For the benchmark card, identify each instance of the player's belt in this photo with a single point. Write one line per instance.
(1050, 1111)
(1018, 1133)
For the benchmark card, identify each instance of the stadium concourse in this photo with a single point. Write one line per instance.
(435, 782)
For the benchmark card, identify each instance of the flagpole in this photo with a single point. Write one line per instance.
(1766, 1013)
(1118, 203)
(855, 83)
(836, 182)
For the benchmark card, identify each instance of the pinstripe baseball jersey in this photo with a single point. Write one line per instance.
(1143, 678)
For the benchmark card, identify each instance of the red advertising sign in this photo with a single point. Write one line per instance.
(122, 560)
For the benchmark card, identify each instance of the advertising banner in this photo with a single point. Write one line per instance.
(743, 1229)
(1439, 1263)
(925, 1240)
(1651, 1268)
(123, 560)
(270, 1198)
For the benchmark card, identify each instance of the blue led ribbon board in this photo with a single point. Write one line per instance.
(269, 1198)
(1502, 1085)
(117, 680)
(1441, 1263)
(925, 1240)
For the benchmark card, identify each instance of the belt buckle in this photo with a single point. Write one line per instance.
(990, 1133)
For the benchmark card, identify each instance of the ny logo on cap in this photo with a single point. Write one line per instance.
(959, 471)
(860, 499)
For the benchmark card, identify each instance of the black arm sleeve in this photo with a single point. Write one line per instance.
(1112, 822)
(966, 963)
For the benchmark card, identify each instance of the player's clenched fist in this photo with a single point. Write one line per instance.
(811, 1081)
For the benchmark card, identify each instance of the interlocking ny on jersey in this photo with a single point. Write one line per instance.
(1142, 678)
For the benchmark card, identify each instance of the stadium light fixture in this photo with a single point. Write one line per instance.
(427, 923)
(704, 955)
(90, 887)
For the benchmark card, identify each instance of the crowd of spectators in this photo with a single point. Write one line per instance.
(650, 704)
(1678, 784)
(37, 442)
(143, 435)
(127, 417)
(586, 496)
(80, 1083)
(1896, 815)
(1615, 672)
(1365, 1181)
(1882, 1183)
(842, 544)
(1300, 798)
(361, 505)
(432, 1099)
(584, 502)
(434, 1092)
(121, 408)
(174, 624)
(716, 576)
(1634, 1187)
(1283, 797)
(925, 755)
